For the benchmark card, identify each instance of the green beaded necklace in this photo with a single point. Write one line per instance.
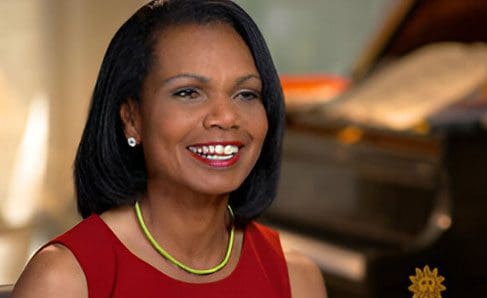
(171, 259)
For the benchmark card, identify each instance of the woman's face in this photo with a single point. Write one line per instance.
(201, 119)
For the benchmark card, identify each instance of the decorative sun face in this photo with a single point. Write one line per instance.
(427, 283)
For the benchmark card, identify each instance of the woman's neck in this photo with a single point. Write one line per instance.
(192, 227)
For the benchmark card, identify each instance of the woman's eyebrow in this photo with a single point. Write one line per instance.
(186, 76)
(202, 79)
(243, 79)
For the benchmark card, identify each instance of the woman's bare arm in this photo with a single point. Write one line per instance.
(52, 272)
(305, 277)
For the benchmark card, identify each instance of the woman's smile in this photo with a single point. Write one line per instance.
(217, 154)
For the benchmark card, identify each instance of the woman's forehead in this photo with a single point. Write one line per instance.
(201, 49)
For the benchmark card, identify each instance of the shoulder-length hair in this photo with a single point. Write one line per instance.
(107, 172)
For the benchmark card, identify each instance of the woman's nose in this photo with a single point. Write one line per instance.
(222, 113)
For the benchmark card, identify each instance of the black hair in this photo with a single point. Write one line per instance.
(107, 172)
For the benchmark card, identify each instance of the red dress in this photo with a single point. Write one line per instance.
(111, 270)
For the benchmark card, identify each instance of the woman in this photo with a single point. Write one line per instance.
(179, 154)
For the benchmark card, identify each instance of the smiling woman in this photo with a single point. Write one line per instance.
(180, 154)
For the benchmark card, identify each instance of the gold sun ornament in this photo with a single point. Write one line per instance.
(427, 283)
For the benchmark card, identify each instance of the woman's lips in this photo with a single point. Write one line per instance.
(217, 154)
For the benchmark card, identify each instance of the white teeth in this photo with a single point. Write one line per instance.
(217, 152)
(219, 149)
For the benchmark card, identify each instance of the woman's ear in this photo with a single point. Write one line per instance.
(130, 115)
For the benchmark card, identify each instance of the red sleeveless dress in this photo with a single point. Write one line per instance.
(111, 270)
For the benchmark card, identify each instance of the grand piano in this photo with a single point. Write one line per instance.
(391, 175)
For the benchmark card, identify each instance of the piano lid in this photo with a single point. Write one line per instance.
(416, 23)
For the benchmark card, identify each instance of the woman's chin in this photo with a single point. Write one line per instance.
(221, 190)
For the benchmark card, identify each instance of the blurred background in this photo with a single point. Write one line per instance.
(384, 163)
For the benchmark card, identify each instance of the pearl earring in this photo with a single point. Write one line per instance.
(132, 142)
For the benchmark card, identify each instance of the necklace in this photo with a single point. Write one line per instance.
(171, 259)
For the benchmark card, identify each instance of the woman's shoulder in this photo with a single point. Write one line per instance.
(61, 267)
(52, 272)
(304, 276)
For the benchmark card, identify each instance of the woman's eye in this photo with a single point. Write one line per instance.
(188, 93)
(248, 95)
